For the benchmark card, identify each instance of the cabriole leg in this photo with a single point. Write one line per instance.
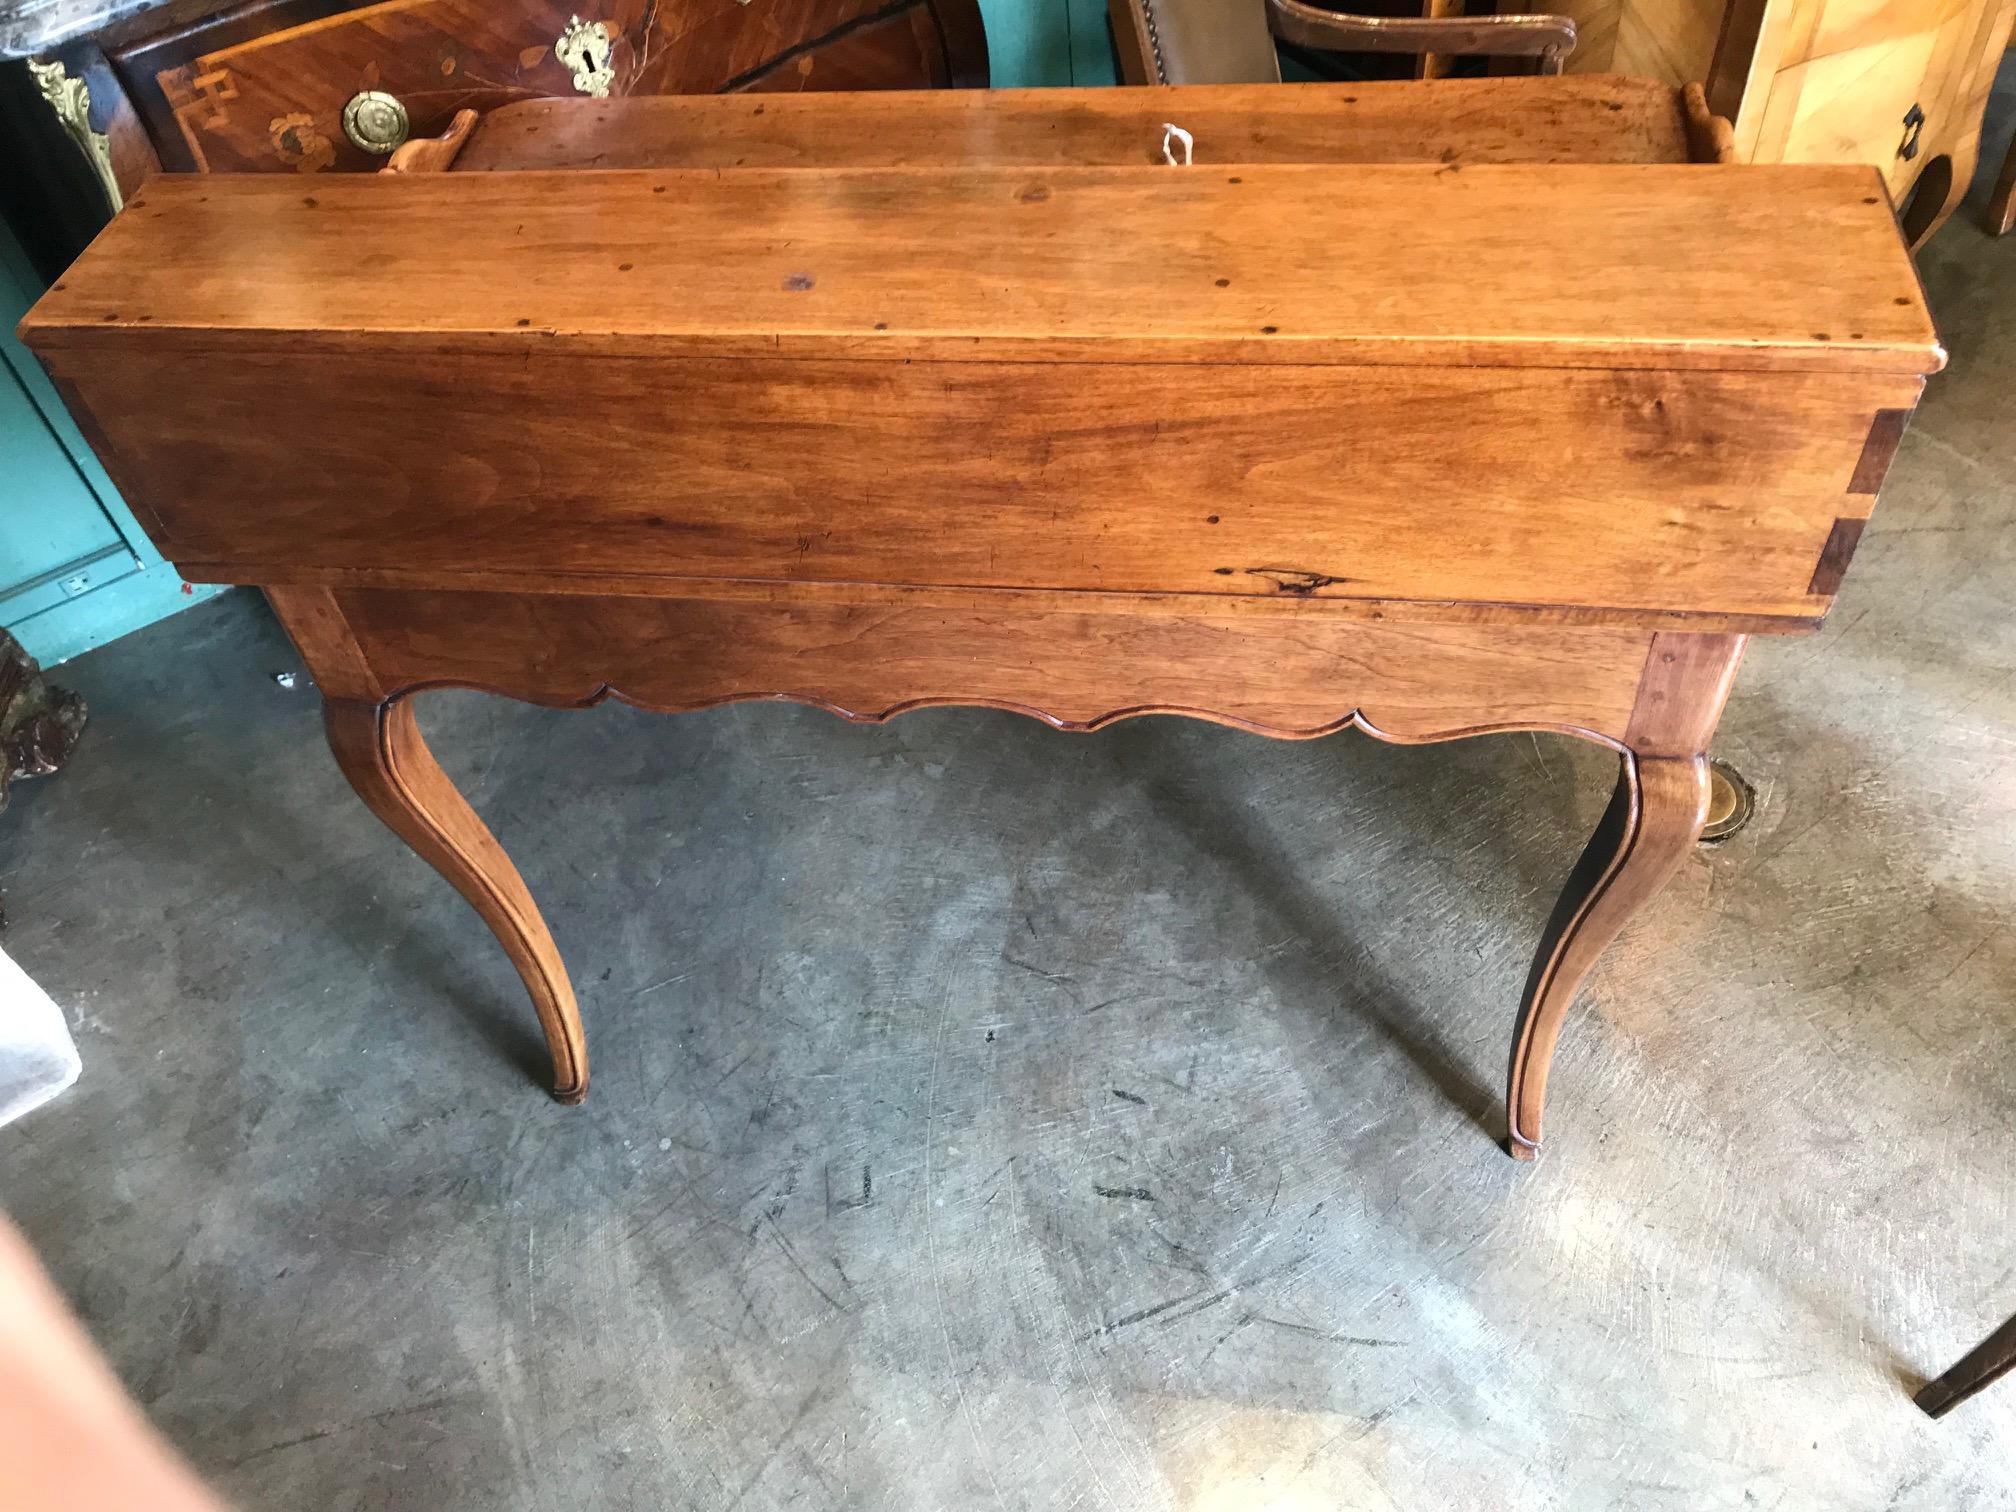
(379, 748)
(1654, 818)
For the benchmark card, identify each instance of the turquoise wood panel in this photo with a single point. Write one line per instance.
(62, 522)
(1041, 42)
(76, 570)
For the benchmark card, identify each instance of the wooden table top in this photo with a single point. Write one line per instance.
(1547, 266)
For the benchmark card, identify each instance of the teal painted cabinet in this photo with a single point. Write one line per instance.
(1039, 42)
(75, 569)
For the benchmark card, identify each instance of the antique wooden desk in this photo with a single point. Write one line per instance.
(1428, 450)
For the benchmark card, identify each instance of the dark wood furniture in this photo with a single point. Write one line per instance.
(998, 411)
(1981, 1367)
(312, 86)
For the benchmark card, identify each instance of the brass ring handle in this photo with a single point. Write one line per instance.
(376, 122)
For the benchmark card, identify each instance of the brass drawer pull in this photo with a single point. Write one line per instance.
(376, 122)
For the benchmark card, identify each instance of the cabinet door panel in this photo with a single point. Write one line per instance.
(75, 570)
(55, 521)
(57, 539)
(1898, 84)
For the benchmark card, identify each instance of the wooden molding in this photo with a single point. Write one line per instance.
(1291, 676)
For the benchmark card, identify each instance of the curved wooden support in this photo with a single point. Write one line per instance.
(869, 654)
(1937, 192)
(1710, 138)
(2002, 198)
(1654, 818)
(379, 748)
(433, 154)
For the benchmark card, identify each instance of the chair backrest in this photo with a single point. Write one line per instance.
(1194, 42)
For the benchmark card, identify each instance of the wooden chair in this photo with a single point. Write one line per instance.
(1232, 41)
(1977, 1370)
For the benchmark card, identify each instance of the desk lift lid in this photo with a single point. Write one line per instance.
(1775, 268)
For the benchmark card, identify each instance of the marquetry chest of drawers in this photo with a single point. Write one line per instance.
(316, 86)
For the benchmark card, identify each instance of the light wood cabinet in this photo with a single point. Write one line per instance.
(1900, 84)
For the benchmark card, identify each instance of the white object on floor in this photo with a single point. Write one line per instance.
(38, 1058)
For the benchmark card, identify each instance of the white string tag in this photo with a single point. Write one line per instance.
(1171, 134)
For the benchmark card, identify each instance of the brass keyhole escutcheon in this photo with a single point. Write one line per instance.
(585, 49)
(376, 122)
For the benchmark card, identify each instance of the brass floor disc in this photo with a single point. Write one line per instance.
(1731, 801)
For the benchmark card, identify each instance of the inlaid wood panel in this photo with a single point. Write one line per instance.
(1901, 86)
(263, 87)
(1843, 78)
(1668, 41)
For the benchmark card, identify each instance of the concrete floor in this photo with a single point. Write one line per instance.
(989, 1118)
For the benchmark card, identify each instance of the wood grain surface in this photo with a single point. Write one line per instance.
(1508, 120)
(433, 154)
(379, 748)
(1902, 87)
(1709, 494)
(1654, 819)
(868, 658)
(1268, 263)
